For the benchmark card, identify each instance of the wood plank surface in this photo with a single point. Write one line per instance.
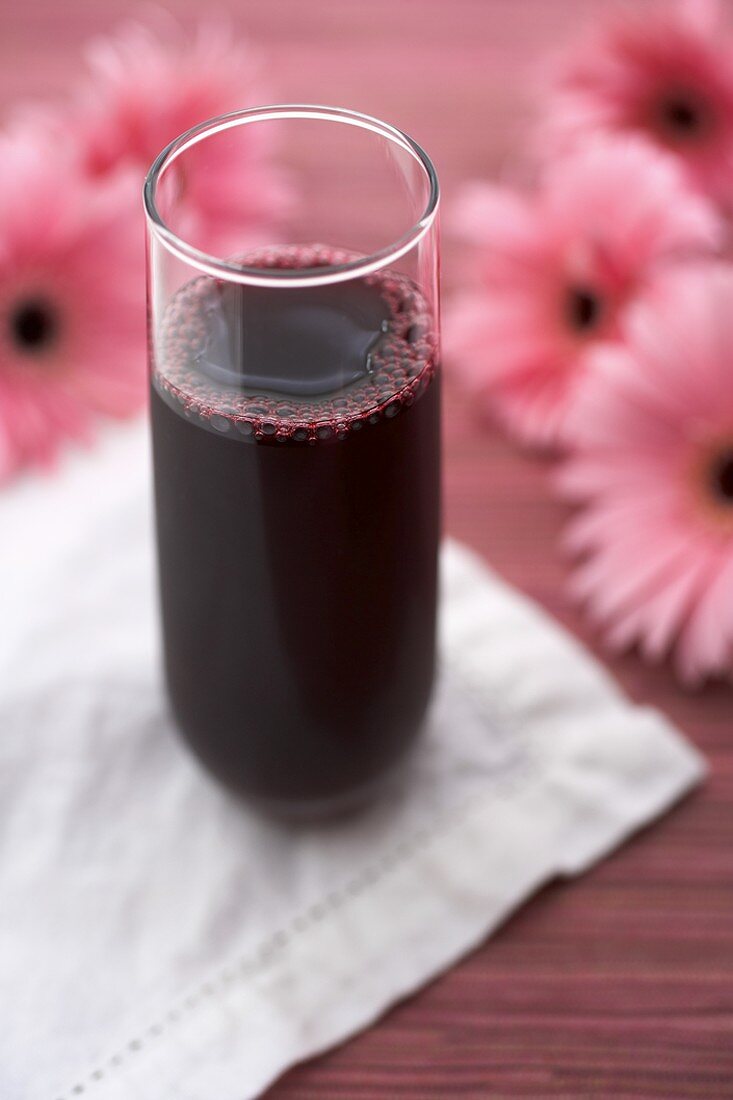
(619, 984)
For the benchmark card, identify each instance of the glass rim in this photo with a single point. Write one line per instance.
(254, 276)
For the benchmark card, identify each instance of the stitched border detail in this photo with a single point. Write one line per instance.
(510, 778)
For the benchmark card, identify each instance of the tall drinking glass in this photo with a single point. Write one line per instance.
(295, 411)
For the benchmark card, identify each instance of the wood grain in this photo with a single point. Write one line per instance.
(619, 984)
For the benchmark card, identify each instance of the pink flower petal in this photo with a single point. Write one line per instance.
(705, 645)
(93, 359)
(628, 78)
(594, 237)
(657, 548)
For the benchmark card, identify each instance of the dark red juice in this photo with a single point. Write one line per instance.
(296, 450)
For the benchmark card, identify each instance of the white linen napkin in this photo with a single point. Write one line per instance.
(158, 940)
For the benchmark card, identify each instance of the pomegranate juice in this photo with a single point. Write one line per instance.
(296, 450)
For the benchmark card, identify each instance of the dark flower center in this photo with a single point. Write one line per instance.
(721, 476)
(33, 325)
(682, 116)
(585, 309)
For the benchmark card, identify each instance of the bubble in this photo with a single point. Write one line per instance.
(416, 332)
(401, 363)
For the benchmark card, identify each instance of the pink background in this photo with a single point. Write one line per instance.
(620, 984)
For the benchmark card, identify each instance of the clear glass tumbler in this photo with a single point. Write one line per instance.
(295, 409)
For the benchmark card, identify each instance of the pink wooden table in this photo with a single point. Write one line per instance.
(620, 984)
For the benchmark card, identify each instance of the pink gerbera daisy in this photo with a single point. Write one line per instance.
(558, 272)
(150, 82)
(653, 462)
(666, 74)
(72, 335)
